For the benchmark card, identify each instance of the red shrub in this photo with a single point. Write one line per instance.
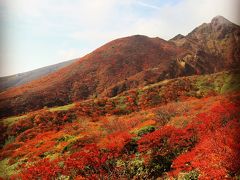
(166, 139)
(43, 169)
(88, 162)
(115, 142)
(217, 152)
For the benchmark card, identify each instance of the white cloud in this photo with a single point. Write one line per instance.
(165, 21)
(90, 18)
(148, 5)
(171, 19)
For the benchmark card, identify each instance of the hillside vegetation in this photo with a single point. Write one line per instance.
(184, 128)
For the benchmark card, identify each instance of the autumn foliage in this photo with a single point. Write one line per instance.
(131, 136)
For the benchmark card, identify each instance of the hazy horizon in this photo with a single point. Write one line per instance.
(40, 33)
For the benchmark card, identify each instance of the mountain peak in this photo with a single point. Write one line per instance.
(177, 37)
(220, 20)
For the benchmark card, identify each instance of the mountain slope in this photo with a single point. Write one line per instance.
(128, 63)
(92, 74)
(23, 78)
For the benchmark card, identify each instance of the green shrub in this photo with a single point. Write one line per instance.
(132, 169)
(158, 166)
(192, 175)
(145, 130)
(64, 138)
(131, 146)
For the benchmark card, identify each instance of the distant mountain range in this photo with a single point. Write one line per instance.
(25, 77)
(128, 63)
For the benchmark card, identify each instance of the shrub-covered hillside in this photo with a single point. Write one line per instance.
(184, 128)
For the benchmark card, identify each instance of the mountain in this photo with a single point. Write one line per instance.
(7, 82)
(135, 108)
(214, 46)
(128, 63)
(94, 74)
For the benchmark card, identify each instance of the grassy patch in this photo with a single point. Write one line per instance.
(203, 85)
(71, 141)
(65, 138)
(9, 140)
(62, 108)
(231, 83)
(220, 83)
(192, 175)
(7, 170)
(12, 120)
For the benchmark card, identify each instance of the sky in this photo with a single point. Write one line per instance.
(37, 33)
